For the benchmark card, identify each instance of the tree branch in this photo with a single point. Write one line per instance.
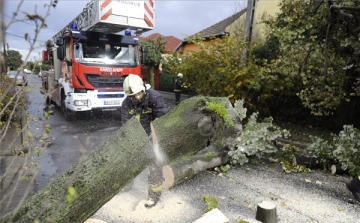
(349, 8)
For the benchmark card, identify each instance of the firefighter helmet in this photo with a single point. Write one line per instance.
(133, 84)
(180, 75)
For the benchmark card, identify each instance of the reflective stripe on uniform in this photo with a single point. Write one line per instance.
(177, 90)
(156, 189)
(148, 111)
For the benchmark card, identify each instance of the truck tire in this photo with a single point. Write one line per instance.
(68, 114)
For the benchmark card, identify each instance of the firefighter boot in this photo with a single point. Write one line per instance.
(354, 187)
(154, 197)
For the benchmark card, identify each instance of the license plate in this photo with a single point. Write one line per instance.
(114, 102)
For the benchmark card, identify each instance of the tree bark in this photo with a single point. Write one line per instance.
(151, 76)
(266, 212)
(183, 132)
(96, 179)
(186, 167)
(102, 174)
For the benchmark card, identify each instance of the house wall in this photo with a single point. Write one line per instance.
(193, 46)
(269, 7)
(259, 8)
(188, 46)
(237, 26)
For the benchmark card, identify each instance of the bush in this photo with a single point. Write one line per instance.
(343, 149)
(13, 100)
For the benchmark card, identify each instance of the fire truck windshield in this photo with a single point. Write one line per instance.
(106, 53)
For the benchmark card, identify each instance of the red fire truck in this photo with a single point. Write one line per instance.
(91, 59)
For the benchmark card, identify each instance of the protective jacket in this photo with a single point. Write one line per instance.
(178, 85)
(152, 107)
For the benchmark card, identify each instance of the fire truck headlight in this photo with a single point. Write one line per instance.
(81, 102)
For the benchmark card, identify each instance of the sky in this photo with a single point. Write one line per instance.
(177, 18)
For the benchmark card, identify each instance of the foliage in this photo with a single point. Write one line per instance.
(13, 59)
(267, 51)
(71, 194)
(46, 67)
(211, 202)
(240, 109)
(30, 65)
(222, 168)
(220, 68)
(288, 167)
(287, 157)
(13, 100)
(154, 50)
(343, 148)
(220, 109)
(256, 139)
(318, 50)
(170, 63)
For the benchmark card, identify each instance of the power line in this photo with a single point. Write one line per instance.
(17, 20)
(40, 41)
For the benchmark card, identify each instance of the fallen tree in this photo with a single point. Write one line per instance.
(192, 126)
(186, 167)
(96, 178)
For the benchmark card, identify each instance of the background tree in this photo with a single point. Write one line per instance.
(13, 59)
(318, 55)
(220, 69)
(30, 65)
(154, 50)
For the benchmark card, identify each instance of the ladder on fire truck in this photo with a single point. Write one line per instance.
(105, 16)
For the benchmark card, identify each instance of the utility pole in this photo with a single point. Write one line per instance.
(3, 34)
(249, 23)
(3, 64)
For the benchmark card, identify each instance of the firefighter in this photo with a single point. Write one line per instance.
(146, 106)
(178, 88)
(354, 187)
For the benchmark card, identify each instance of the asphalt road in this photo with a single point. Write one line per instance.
(299, 197)
(67, 141)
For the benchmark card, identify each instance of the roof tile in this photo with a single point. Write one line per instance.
(171, 42)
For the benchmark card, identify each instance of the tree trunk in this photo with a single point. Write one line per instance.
(96, 179)
(186, 167)
(266, 212)
(190, 127)
(102, 174)
(151, 77)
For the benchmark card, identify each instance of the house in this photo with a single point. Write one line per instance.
(247, 21)
(222, 28)
(162, 83)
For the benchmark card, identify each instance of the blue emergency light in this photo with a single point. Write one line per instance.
(73, 26)
(127, 33)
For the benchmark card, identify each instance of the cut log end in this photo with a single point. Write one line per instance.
(266, 212)
(169, 177)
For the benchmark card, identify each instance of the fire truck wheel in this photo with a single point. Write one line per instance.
(67, 113)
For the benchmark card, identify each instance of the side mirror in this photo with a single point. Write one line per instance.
(143, 54)
(60, 42)
(60, 53)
